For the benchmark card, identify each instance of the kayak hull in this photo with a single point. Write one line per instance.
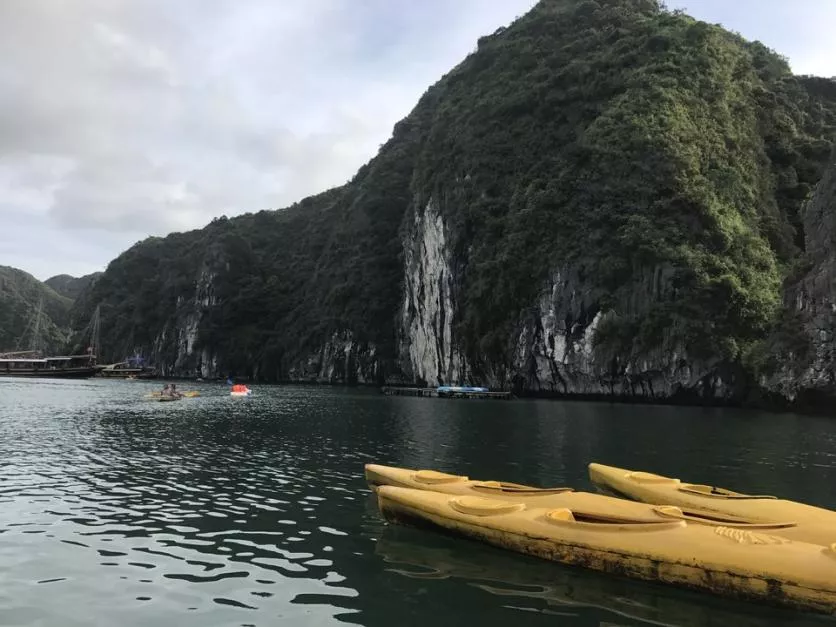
(813, 524)
(725, 561)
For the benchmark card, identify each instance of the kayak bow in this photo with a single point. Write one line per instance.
(812, 524)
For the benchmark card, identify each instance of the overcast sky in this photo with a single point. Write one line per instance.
(126, 118)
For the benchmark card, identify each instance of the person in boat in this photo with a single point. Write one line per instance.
(173, 390)
(166, 390)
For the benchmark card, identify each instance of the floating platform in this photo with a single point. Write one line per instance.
(436, 393)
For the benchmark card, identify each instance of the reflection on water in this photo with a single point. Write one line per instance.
(248, 511)
(549, 589)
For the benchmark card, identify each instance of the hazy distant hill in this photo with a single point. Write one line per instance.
(71, 286)
(20, 295)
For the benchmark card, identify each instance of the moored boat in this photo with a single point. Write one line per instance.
(460, 388)
(130, 369)
(812, 524)
(460, 391)
(732, 562)
(32, 364)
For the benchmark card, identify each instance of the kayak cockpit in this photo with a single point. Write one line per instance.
(592, 522)
(720, 493)
(434, 477)
(705, 518)
(492, 487)
(483, 508)
(659, 517)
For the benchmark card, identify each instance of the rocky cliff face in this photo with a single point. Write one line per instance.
(556, 352)
(805, 370)
(182, 332)
(429, 347)
(341, 359)
(557, 349)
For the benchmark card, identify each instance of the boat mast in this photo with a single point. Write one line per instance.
(36, 330)
(95, 331)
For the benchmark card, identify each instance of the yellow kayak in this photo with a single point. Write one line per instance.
(187, 394)
(812, 524)
(377, 475)
(597, 505)
(714, 558)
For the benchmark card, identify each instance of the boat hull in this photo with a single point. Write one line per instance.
(118, 374)
(66, 373)
(724, 561)
(813, 524)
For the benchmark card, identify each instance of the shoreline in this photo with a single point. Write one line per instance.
(807, 402)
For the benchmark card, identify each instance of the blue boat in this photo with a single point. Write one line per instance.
(464, 389)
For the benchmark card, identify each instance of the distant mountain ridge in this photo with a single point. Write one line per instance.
(70, 286)
(20, 297)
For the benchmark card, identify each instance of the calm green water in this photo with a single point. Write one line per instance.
(221, 511)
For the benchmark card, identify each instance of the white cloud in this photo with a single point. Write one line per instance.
(124, 118)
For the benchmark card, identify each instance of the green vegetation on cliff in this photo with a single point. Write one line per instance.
(614, 136)
(20, 297)
(610, 136)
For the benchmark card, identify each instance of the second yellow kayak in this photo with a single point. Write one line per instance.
(727, 561)
(811, 524)
(589, 504)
